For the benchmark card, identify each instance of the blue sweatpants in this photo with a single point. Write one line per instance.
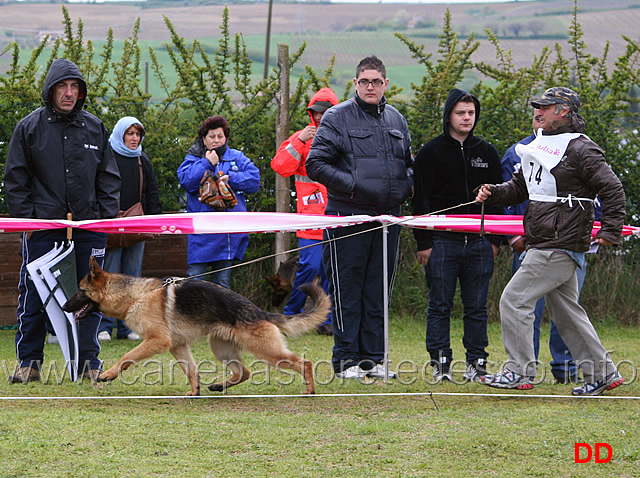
(32, 318)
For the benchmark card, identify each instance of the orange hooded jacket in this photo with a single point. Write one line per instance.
(290, 159)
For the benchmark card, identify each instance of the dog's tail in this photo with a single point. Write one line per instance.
(292, 325)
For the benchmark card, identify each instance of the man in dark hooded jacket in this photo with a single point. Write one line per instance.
(448, 169)
(59, 162)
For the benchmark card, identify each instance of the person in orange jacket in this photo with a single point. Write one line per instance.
(311, 199)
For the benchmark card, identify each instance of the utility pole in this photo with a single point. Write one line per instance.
(268, 42)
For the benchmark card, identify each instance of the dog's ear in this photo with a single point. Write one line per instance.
(274, 280)
(94, 266)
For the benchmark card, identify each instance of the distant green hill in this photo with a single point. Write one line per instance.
(350, 31)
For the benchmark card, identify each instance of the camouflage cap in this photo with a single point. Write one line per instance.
(559, 95)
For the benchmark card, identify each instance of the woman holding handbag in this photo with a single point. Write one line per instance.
(125, 251)
(210, 157)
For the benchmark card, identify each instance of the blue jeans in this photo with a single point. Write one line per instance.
(563, 366)
(471, 263)
(123, 260)
(220, 277)
(310, 266)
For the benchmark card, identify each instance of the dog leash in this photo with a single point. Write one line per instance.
(175, 280)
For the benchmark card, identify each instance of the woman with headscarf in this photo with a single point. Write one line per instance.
(126, 143)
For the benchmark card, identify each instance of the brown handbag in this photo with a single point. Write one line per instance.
(215, 192)
(115, 241)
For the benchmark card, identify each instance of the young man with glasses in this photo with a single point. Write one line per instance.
(362, 153)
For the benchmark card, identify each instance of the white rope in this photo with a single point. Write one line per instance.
(328, 395)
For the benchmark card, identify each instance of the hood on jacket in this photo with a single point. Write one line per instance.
(62, 69)
(577, 122)
(454, 96)
(324, 95)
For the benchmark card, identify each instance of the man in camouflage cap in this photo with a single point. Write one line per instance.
(559, 95)
(562, 172)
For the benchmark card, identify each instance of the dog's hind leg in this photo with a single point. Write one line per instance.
(182, 354)
(147, 348)
(265, 342)
(231, 357)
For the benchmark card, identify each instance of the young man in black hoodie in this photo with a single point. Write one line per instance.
(448, 169)
(59, 161)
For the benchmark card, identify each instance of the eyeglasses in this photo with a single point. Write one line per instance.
(365, 83)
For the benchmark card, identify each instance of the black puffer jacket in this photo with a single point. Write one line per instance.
(59, 163)
(362, 154)
(582, 173)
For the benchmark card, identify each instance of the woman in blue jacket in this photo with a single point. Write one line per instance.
(210, 152)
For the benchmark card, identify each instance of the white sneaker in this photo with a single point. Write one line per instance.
(352, 372)
(52, 339)
(133, 336)
(104, 336)
(378, 372)
(442, 372)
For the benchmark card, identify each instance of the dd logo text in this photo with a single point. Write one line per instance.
(590, 453)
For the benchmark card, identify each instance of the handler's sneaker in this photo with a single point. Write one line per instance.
(476, 369)
(508, 379)
(610, 382)
(442, 370)
(352, 372)
(378, 372)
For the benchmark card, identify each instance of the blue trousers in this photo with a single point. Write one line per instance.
(354, 269)
(219, 277)
(310, 266)
(563, 366)
(32, 317)
(471, 263)
(124, 260)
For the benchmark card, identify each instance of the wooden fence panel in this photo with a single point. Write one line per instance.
(164, 255)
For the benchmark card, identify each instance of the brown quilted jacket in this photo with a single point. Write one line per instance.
(583, 173)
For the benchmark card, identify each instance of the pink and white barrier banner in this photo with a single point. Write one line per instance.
(263, 222)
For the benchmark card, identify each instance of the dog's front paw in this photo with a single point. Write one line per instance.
(216, 387)
(105, 377)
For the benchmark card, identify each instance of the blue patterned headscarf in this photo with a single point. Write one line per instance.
(117, 137)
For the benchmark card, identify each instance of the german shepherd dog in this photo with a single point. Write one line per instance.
(170, 316)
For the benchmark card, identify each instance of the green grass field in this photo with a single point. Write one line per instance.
(407, 427)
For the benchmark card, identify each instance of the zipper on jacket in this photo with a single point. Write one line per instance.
(466, 178)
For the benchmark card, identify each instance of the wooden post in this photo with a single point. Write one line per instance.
(69, 229)
(283, 185)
